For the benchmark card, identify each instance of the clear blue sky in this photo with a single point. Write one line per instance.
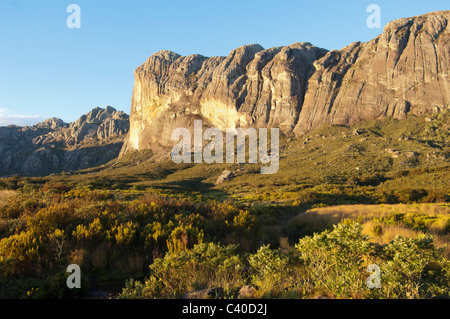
(49, 70)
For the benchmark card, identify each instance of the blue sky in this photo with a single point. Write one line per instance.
(50, 70)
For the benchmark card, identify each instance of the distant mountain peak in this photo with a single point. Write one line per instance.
(53, 145)
(52, 123)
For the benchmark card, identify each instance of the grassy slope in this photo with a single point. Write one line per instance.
(385, 153)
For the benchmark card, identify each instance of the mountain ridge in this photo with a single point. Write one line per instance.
(53, 146)
(297, 87)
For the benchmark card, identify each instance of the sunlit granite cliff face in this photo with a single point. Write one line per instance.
(297, 87)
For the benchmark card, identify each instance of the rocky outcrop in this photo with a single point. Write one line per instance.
(54, 146)
(225, 176)
(251, 86)
(97, 124)
(297, 87)
(403, 70)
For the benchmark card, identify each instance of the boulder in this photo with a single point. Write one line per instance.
(226, 175)
(247, 292)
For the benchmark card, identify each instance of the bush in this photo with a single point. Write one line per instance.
(47, 220)
(414, 268)
(93, 232)
(204, 266)
(19, 253)
(42, 230)
(124, 234)
(336, 260)
(270, 270)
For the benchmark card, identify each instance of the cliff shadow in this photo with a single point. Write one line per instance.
(193, 185)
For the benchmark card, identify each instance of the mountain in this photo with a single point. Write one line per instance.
(298, 87)
(54, 146)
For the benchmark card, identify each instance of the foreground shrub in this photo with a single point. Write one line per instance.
(270, 270)
(336, 263)
(335, 260)
(414, 268)
(18, 253)
(204, 266)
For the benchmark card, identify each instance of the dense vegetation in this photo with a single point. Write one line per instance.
(333, 263)
(160, 230)
(43, 231)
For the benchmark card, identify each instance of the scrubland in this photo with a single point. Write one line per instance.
(344, 198)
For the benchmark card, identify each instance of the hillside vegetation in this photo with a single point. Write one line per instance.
(156, 229)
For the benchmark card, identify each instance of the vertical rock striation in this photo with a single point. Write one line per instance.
(297, 87)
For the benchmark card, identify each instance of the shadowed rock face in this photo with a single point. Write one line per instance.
(54, 146)
(297, 87)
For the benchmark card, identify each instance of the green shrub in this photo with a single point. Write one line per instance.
(335, 260)
(414, 268)
(204, 266)
(270, 270)
(19, 253)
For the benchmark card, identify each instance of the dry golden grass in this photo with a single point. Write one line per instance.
(326, 216)
(389, 232)
(6, 194)
(371, 217)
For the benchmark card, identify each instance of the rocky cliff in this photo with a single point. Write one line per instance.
(54, 146)
(403, 70)
(297, 87)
